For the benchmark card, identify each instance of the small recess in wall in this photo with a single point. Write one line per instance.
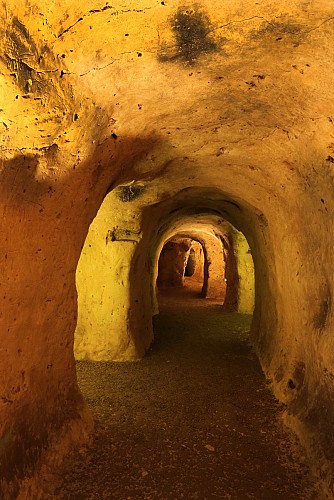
(129, 193)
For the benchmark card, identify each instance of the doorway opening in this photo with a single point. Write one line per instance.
(181, 266)
(208, 263)
(197, 398)
(194, 398)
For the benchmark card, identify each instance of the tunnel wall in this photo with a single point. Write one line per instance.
(172, 261)
(246, 108)
(194, 272)
(105, 281)
(196, 258)
(231, 274)
(245, 266)
(214, 286)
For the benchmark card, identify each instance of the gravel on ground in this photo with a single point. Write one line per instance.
(194, 419)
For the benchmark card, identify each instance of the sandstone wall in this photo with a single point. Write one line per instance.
(172, 262)
(245, 267)
(195, 263)
(219, 107)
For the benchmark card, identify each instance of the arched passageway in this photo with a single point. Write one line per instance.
(149, 117)
(172, 262)
(184, 262)
(198, 397)
(119, 271)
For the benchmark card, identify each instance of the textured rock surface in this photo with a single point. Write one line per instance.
(218, 107)
(172, 262)
(116, 278)
(245, 267)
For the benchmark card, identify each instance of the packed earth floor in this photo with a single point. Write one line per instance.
(194, 419)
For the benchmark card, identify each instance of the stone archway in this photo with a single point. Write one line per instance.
(112, 265)
(178, 123)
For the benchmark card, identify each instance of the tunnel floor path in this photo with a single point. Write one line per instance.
(195, 419)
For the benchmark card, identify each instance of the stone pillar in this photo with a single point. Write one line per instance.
(214, 286)
(231, 276)
(109, 306)
(245, 265)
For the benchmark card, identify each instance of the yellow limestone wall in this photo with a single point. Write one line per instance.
(246, 291)
(104, 285)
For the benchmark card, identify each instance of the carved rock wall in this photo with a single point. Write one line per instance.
(215, 107)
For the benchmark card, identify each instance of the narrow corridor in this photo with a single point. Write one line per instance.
(195, 419)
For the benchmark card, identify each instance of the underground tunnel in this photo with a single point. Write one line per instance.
(123, 127)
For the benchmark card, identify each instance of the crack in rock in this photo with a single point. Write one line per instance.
(98, 11)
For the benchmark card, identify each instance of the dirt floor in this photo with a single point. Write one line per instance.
(195, 419)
